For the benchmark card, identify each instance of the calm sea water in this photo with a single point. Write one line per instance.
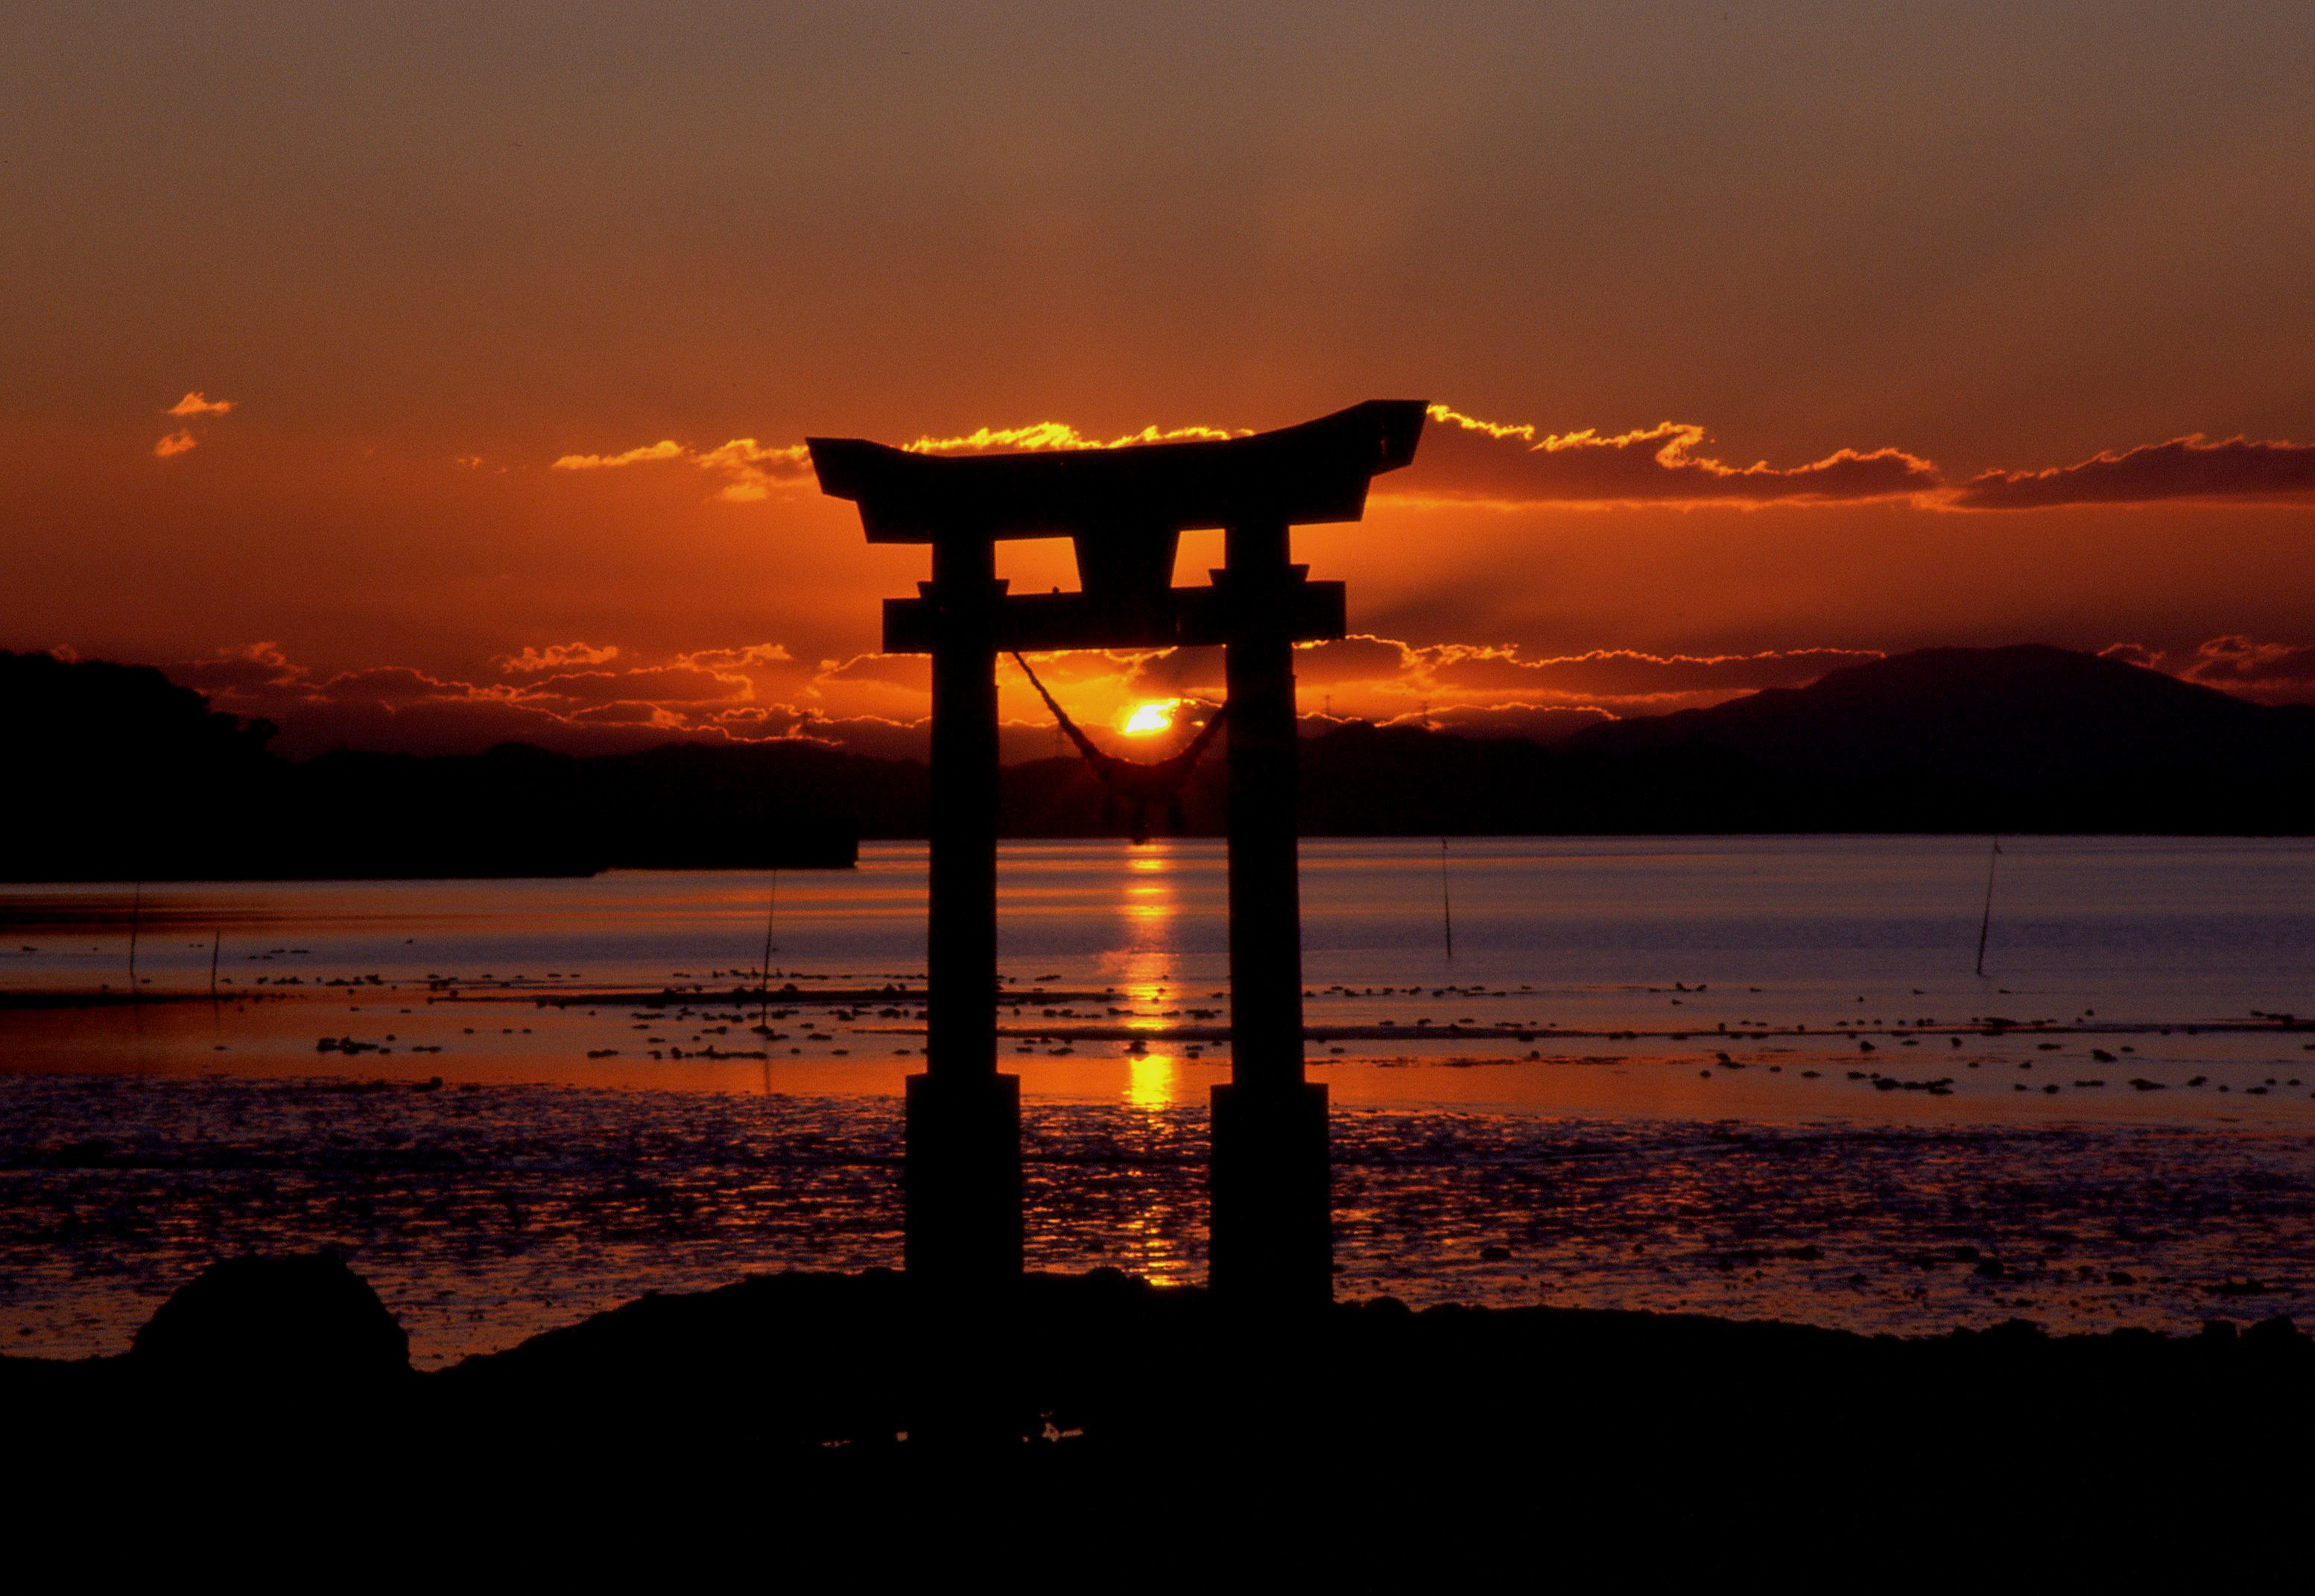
(1735, 1075)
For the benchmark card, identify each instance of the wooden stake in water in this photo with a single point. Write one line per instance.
(1446, 901)
(217, 941)
(1986, 921)
(771, 918)
(136, 913)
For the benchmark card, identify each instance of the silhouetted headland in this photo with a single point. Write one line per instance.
(119, 775)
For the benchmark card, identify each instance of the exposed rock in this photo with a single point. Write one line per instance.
(302, 1318)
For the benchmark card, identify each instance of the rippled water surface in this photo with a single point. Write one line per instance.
(1744, 1075)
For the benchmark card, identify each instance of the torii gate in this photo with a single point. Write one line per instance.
(1125, 510)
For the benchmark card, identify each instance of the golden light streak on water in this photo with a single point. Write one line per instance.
(1151, 901)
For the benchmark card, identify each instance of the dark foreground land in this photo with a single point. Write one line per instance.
(1078, 1385)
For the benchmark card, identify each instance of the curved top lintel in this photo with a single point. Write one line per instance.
(1317, 471)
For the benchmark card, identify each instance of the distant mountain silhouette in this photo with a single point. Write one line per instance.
(118, 774)
(2024, 739)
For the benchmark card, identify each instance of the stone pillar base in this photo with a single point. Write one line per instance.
(1273, 1244)
(962, 1177)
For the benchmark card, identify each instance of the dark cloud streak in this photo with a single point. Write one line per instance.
(2237, 470)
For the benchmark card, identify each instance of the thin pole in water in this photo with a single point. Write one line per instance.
(217, 941)
(1446, 901)
(1986, 921)
(771, 918)
(136, 913)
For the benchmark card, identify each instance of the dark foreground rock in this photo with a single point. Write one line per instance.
(306, 1320)
(1072, 1380)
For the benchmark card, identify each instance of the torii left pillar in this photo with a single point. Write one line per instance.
(962, 1172)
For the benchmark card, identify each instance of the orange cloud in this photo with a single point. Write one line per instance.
(666, 448)
(750, 470)
(194, 406)
(2274, 672)
(1378, 676)
(909, 673)
(631, 712)
(1183, 673)
(1628, 673)
(659, 683)
(255, 668)
(402, 707)
(390, 685)
(1537, 723)
(558, 656)
(1060, 435)
(2237, 470)
(1465, 460)
(734, 658)
(2268, 673)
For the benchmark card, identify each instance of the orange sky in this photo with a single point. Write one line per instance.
(298, 313)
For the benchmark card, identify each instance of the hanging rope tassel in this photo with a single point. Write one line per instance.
(1131, 786)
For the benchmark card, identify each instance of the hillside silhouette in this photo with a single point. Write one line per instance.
(2022, 739)
(119, 774)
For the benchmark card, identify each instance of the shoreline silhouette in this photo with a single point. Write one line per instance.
(815, 1374)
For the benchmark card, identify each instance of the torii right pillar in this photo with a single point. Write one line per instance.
(1273, 1244)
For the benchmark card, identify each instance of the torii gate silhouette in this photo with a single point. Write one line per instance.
(1125, 510)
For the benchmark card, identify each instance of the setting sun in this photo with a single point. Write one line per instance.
(1151, 718)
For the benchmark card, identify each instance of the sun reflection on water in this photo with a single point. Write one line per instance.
(1149, 1082)
(1145, 971)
